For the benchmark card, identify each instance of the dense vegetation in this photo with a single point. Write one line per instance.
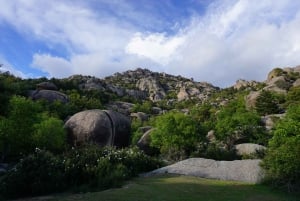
(33, 140)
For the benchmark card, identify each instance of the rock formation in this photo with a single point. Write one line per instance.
(103, 127)
(239, 170)
(49, 95)
(248, 148)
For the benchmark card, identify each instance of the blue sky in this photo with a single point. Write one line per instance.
(218, 41)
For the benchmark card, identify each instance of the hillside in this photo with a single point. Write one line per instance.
(49, 123)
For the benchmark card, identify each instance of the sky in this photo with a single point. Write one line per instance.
(217, 41)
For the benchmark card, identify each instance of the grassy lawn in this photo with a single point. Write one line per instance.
(181, 188)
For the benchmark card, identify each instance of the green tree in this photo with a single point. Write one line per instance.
(293, 96)
(235, 121)
(145, 107)
(282, 158)
(176, 134)
(268, 103)
(49, 134)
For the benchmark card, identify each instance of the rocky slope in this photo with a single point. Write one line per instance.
(143, 84)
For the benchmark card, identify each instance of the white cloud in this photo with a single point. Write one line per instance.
(233, 39)
(155, 46)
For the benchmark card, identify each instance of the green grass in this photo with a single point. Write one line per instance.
(181, 188)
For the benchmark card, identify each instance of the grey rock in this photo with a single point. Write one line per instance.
(157, 110)
(121, 107)
(248, 148)
(238, 170)
(46, 86)
(251, 99)
(140, 115)
(183, 94)
(211, 137)
(268, 120)
(296, 83)
(244, 84)
(145, 141)
(153, 87)
(49, 95)
(103, 127)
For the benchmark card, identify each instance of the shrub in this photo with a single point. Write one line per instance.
(37, 174)
(235, 122)
(268, 103)
(49, 134)
(282, 162)
(176, 135)
(88, 168)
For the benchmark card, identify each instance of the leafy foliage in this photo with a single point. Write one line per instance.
(282, 157)
(234, 122)
(89, 168)
(176, 134)
(268, 103)
(145, 107)
(24, 128)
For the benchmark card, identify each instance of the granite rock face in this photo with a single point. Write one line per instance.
(239, 170)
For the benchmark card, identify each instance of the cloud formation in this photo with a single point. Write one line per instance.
(232, 39)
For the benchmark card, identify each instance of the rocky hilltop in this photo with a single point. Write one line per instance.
(143, 84)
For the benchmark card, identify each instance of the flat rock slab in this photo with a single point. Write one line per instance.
(238, 170)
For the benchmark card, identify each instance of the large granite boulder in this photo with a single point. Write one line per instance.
(49, 95)
(239, 170)
(103, 127)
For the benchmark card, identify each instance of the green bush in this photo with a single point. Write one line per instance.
(49, 134)
(37, 174)
(282, 162)
(176, 135)
(27, 127)
(85, 169)
(268, 103)
(234, 122)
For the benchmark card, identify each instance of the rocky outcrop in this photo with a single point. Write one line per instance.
(211, 137)
(121, 107)
(281, 79)
(251, 99)
(248, 148)
(244, 84)
(239, 170)
(297, 83)
(152, 86)
(46, 86)
(49, 96)
(143, 83)
(103, 127)
(269, 120)
(183, 94)
(140, 115)
(278, 84)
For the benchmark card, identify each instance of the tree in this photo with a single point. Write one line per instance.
(268, 103)
(49, 134)
(282, 162)
(16, 129)
(27, 127)
(176, 134)
(235, 121)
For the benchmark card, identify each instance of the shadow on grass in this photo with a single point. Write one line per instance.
(182, 188)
